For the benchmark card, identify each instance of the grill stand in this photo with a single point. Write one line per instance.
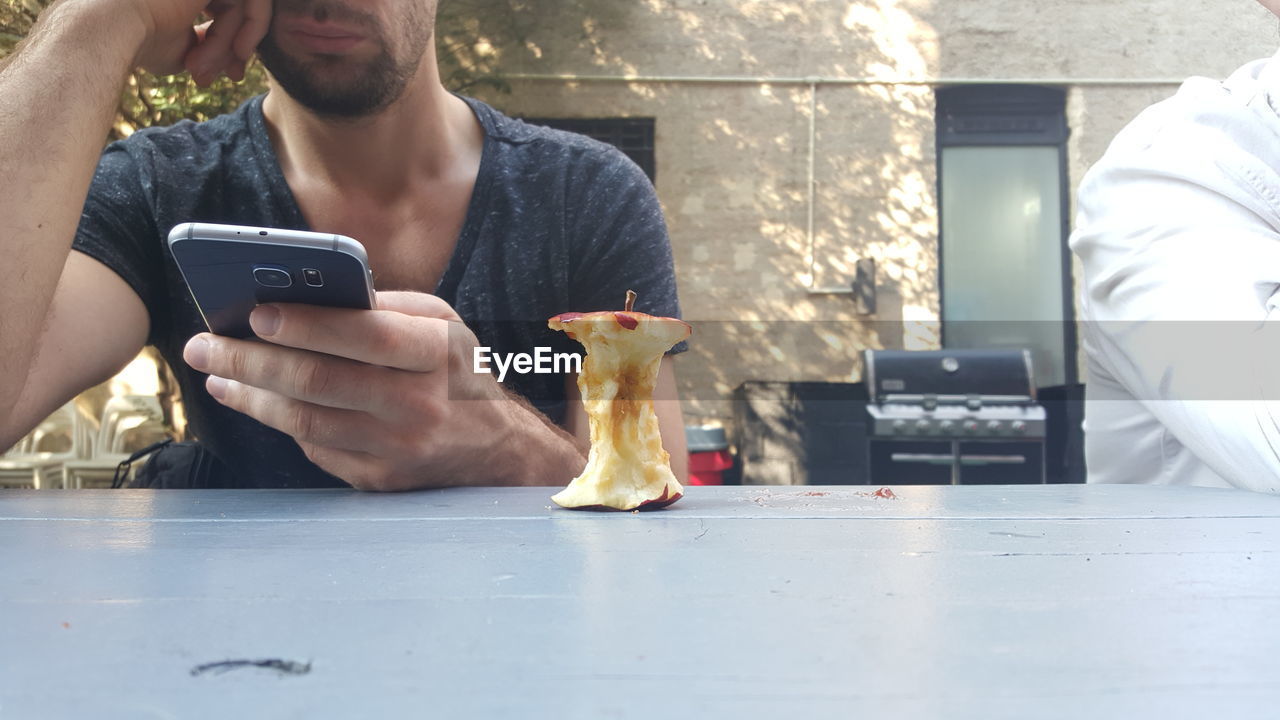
(955, 460)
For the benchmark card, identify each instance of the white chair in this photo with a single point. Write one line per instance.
(32, 463)
(124, 416)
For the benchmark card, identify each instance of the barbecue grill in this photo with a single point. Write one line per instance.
(957, 416)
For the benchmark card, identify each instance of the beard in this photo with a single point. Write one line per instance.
(341, 87)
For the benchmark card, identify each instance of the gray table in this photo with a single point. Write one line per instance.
(956, 602)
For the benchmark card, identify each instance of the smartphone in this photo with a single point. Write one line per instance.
(230, 269)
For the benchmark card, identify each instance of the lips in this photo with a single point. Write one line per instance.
(322, 38)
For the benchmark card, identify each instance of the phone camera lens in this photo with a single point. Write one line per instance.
(272, 277)
(312, 277)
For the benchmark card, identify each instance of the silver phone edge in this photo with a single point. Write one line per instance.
(251, 235)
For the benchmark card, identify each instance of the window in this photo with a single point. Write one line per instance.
(1006, 269)
(633, 136)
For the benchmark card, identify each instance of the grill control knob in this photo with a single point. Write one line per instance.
(994, 427)
(900, 427)
(970, 427)
(1018, 427)
(947, 427)
(923, 426)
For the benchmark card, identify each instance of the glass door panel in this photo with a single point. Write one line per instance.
(1002, 274)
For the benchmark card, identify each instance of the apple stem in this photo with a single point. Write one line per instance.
(631, 301)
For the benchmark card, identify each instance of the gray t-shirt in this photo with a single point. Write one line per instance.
(557, 222)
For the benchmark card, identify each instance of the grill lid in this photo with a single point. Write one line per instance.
(942, 377)
(978, 394)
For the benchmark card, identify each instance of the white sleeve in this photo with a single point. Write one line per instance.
(1178, 237)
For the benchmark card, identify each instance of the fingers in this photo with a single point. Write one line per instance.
(417, 304)
(226, 43)
(348, 430)
(254, 26)
(297, 374)
(377, 337)
(328, 405)
(212, 55)
(335, 440)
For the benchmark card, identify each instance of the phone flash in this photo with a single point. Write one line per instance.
(312, 277)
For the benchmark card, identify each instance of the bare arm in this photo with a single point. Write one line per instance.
(59, 91)
(666, 405)
(68, 321)
(96, 325)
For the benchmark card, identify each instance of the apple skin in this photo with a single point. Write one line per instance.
(627, 468)
(655, 504)
(625, 318)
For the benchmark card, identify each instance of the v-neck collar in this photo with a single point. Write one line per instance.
(290, 211)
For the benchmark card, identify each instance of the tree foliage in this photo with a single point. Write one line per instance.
(146, 99)
(468, 35)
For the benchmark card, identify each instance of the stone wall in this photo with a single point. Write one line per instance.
(733, 148)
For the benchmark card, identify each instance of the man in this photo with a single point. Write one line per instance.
(502, 224)
(1179, 236)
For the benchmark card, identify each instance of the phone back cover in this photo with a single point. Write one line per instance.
(220, 275)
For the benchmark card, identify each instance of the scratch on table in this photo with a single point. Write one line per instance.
(284, 667)
(705, 529)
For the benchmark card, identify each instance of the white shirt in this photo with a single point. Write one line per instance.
(1178, 231)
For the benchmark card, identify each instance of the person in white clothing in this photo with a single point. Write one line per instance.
(1178, 232)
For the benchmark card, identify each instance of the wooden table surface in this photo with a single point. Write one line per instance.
(738, 602)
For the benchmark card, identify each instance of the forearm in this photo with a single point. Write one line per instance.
(533, 450)
(58, 91)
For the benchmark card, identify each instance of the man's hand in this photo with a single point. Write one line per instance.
(383, 399)
(223, 44)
